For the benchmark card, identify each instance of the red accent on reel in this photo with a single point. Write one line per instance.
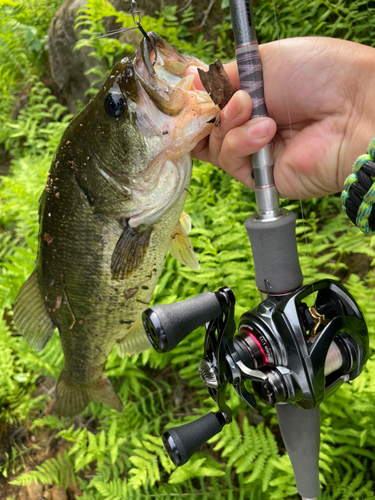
(250, 334)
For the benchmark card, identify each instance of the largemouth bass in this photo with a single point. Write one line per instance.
(108, 215)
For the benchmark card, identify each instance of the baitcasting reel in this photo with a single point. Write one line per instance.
(289, 351)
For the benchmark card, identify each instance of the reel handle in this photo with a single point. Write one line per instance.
(182, 442)
(167, 325)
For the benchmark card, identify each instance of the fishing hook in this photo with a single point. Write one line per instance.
(137, 21)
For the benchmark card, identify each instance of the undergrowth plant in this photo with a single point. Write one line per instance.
(107, 455)
(23, 50)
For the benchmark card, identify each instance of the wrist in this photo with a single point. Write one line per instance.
(360, 129)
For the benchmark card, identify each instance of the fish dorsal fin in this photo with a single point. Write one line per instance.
(30, 314)
(129, 252)
(180, 246)
(136, 340)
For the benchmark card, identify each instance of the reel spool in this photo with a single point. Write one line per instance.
(290, 352)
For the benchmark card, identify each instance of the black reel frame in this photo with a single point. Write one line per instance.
(296, 357)
(282, 348)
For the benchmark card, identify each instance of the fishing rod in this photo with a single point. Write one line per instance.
(295, 355)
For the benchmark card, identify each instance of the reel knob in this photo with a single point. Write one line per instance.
(182, 442)
(167, 325)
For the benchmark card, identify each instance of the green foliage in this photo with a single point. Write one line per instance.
(16, 381)
(39, 126)
(23, 51)
(56, 471)
(113, 456)
(252, 451)
(337, 19)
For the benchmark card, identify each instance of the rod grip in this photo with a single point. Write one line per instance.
(167, 325)
(275, 254)
(182, 442)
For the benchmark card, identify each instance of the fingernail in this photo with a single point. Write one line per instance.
(258, 130)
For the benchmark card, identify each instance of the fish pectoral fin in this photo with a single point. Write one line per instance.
(181, 248)
(185, 222)
(72, 397)
(136, 341)
(30, 314)
(129, 252)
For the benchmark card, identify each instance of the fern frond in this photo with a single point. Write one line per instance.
(58, 471)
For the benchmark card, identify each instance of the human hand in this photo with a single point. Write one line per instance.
(319, 96)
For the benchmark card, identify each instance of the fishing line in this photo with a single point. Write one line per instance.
(291, 145)
(137, 21)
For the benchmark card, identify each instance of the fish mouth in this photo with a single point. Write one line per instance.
(162, 75)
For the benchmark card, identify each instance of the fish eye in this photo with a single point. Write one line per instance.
(114, 105)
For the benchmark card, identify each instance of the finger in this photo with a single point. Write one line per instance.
(193, 70)
(236, 113)
(240, 143)
(200, 152)
(230, 69)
